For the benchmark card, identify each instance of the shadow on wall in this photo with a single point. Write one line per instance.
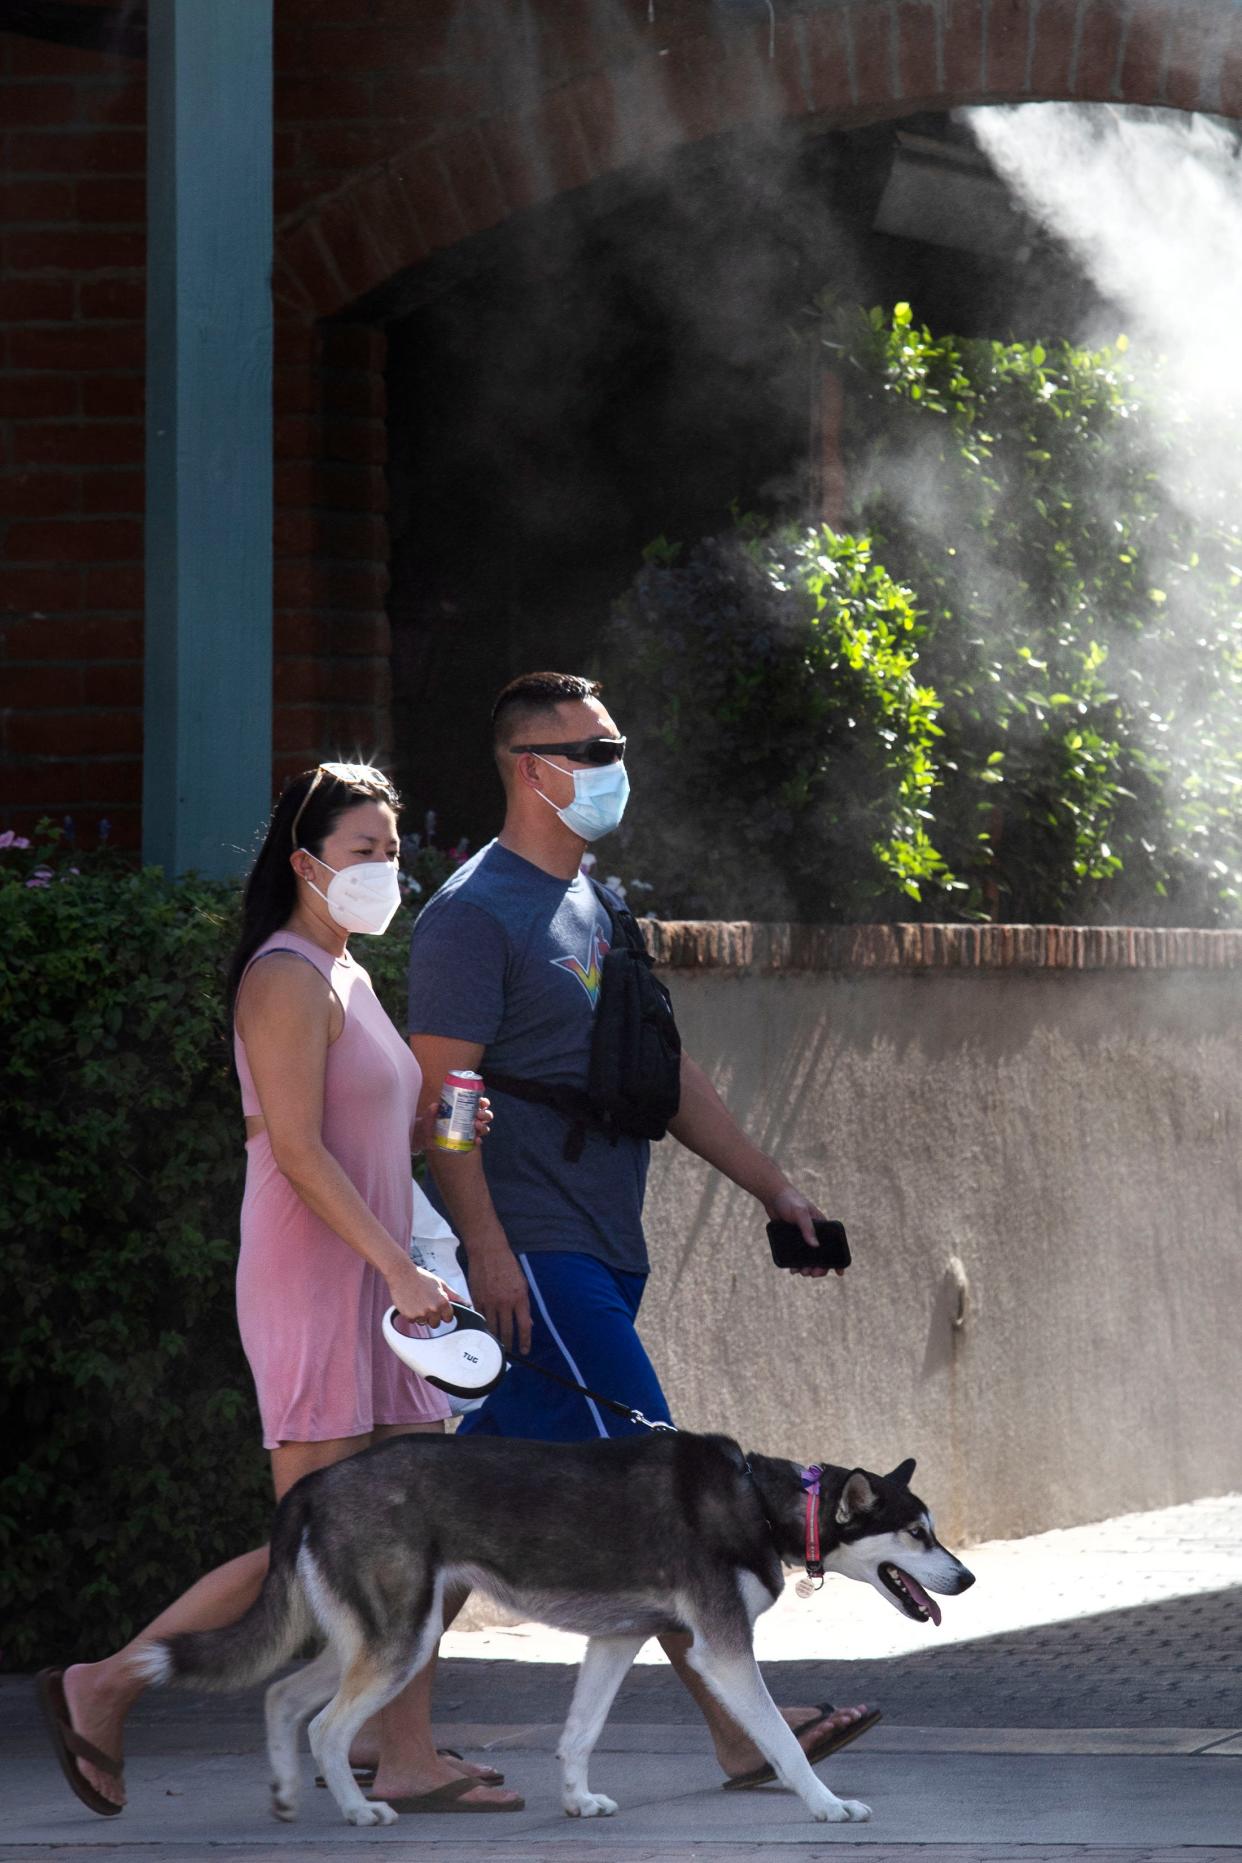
(1042, 1184)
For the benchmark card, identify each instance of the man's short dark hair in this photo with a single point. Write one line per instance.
(524, 699)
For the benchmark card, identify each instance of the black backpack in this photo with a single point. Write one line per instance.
(634, 1078)
(634, 1082)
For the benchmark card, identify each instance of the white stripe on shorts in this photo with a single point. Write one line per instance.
(564, 1349)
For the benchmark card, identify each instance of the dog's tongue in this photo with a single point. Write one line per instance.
(920, 1596)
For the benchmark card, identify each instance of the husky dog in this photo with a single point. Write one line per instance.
(621, 1539)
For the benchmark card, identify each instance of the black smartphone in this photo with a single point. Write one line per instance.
(790, 1249)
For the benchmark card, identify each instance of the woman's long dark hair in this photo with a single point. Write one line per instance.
(305, 816)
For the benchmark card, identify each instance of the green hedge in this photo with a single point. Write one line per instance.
(132, 1459)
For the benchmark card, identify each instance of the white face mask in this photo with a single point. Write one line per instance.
(361, 898)
(600, 796)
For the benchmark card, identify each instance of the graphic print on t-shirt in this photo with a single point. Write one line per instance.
(591, 973)
(483, 969)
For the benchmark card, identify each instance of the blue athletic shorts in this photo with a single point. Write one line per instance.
(582, 1327)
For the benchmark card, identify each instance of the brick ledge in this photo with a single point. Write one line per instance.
(691, 944)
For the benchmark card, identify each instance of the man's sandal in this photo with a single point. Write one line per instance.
(365, 1775)
(69, 1746)
(450, 1797)
(830, 1741)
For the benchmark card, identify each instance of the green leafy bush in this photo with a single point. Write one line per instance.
(1083, 631)
(1013, 692)
(133, 1458)
(771, 687)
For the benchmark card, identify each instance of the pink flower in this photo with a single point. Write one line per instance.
(42, 876)
(9, 839)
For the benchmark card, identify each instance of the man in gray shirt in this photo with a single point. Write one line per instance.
(504, 977)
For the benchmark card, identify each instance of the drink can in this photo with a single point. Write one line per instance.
(459, 1103)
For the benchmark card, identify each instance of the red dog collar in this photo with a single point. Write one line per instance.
(814, 1564)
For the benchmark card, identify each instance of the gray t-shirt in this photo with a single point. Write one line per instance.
(510, 956)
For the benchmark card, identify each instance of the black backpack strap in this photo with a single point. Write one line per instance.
(622, 919)
(570, 1102)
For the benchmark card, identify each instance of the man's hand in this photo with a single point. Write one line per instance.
(499, 1292)
(423, 1131)
(790, 1206)
(705, 1125)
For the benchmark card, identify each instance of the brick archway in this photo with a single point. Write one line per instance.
(592, 105)
(836, 64)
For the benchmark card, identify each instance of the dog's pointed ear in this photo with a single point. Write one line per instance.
(902, 1473)
(857, 1497)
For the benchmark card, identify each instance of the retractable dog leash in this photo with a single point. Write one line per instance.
(461, 1357)
(464, 1359)
(609, 1403)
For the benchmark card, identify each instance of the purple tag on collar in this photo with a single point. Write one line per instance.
(810, 1478)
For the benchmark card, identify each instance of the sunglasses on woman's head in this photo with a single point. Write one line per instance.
(355, 773)
(363, 775)
(583, 750)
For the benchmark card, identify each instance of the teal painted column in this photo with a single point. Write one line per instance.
(208, 682)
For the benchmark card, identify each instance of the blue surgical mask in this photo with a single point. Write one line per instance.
(600, 796)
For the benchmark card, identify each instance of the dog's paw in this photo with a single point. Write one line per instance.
(371, 1811)
(284, 1805)
(833, 1810)
(589, 1805)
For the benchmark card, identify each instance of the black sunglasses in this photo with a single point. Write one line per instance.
(585, 750)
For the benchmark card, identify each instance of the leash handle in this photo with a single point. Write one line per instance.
(609, 1403)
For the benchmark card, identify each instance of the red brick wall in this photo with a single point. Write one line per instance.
(72, 246)
(331, 628)
(402, 128)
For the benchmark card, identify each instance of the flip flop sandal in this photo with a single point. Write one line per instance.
(70, 1746)
(486, 1775)
(365, 1775)
(831, 1741)
(450, 1797)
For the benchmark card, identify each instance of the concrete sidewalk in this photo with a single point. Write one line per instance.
(1085, 1696)
(1144, 1793)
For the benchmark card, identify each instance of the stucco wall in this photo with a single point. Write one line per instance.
(1071, 1138)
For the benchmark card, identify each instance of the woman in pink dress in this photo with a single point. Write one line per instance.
(330, 1095)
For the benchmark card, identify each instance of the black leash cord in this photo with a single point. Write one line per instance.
(609, 1403)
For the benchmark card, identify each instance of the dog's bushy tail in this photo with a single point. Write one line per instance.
(270, 1633)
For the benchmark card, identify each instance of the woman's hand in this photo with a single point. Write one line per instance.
(419, 1296)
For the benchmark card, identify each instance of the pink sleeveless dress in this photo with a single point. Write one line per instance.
(308, 1307)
